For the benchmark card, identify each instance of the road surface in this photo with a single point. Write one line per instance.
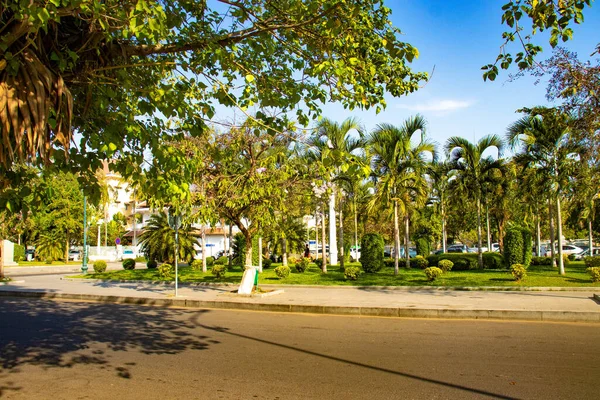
(67, 350)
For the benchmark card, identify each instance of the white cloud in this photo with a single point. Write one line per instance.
(437, 106)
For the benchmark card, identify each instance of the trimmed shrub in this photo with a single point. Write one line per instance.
(592, 262)
(210, 261)
(282, 271)
(351, 273)
(461, 261)
(48, 260)
(594, 273)
(129, 264)
(423, 247)
(388, 262)
(517, 246)
(493, 260)
(571, 257)
(445, 265)
(319, 261)
(541, 261)
(197, 265)
(518, 271)
(267, 263)
(165, 271)
(19, 253)
(419, 262)
(223, 260)
(152, 264)
(432, 273)
(99, 266)
(302, 265)
(371, 252)
(218, 270)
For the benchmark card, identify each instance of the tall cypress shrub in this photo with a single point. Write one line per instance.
(517, 246)
(423, 247)
(371, 252)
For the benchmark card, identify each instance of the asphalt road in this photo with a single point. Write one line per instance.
(61, 350)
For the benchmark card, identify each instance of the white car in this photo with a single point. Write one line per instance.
(566, 249)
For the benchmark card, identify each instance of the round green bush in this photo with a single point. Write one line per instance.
(432, 273)
(282, 271)
(223, 260)
(152, 264)
(99, 266)
(165, 270)
(594, 273)
(351, 273)
(518, 271)
(420, 262)
(197, 265)
(129, 264)
(267, 263)
(302, 265)
(493, 260)
(592, 261)
(210, 261)
(445, 265)
(218, 271)
(48, 260)
(371, 252)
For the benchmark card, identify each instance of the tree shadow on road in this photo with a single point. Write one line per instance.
(53, 334)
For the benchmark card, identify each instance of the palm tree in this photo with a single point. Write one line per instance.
(440, 174)
(158, 240)
(333, 145)
(50, 246)
(473, 169)
(543, 136)
(399, 168)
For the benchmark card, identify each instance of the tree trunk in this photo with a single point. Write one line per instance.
(479, 253)
(444, 237)
(396, 239)
(355, 231)
(260, 256)
(538, 235)
(333, 253)
(204, 267)
(590, 238)
(248, 262)
(407, 240)
(105, 228)
(550, 213)
(316, 235)
(230, 246)
(323, 243)
(284, 251)
(67, 249)
(561, 264)
(342, 254)
(487, 223)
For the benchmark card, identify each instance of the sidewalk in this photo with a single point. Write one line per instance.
(564, 305)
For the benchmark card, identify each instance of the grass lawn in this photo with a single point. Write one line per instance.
(43, 263)
(536, 276)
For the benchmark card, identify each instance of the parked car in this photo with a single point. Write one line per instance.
(74, 255)
(29, 254)
(495, 247)
(586, 252)
(457, 248)
(566, 249)
(127, 254)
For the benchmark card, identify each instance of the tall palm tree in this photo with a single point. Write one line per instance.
(440, 174)
(399, 168)
(473, 169)
(332, 145)
(543, 139)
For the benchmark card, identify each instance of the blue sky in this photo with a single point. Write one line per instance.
(458, 38)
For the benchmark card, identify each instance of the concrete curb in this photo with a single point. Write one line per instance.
(398, 312)
(374, 288)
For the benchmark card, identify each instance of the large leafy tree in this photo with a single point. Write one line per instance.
(128, 74)
(399, 167)
(542, 137)
(473, 170)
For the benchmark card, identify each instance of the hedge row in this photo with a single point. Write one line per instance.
(466, 261)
